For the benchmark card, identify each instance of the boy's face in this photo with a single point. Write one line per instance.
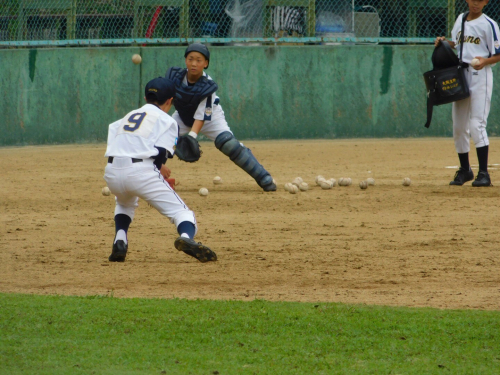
(476, 6)
(195, 63)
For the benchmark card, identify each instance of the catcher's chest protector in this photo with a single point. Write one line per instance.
(188, 98)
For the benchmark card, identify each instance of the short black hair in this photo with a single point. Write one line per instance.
(152, 99)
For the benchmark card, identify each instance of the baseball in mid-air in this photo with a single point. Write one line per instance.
(136, 58)
(203, 192)
(217, 180)
(406, 181)
(474, 62)
(105, 191)
(363, 185)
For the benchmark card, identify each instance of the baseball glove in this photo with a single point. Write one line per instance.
(188, 149)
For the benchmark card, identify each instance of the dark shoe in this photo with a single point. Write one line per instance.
(482, 179)
(462, 176)
(119, 252)
(195, 249)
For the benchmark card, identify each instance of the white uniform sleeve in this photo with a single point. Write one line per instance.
(200, 111)
(168, 138)
(492, 39)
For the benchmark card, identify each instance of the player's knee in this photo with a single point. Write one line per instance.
(228, 145)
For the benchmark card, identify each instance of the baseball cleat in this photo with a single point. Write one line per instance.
(482, 179)
(119, 251)
(195, 249)
(462, 176)
(271, 187)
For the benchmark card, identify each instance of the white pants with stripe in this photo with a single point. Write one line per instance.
(130, 181)
(471, 115)
(211, 129)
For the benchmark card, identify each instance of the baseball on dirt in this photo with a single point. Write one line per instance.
(105, 191)
(406, 181)
(136, 58)
(304, 186)
(363, 185)
(217, 180)
(293, 189)
(370, 181)
(203, 192)
(474, 62)
(297, 181)
(287, 186)
(325, 185)
(318, 178)
(332, 182)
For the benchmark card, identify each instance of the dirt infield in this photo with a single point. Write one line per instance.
(428, 244)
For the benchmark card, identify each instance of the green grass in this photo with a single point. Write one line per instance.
(106, 335)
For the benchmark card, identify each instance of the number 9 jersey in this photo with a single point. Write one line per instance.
(137, 134)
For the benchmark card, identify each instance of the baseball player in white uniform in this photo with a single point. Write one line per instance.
(138, 147)
(481, 42)
(198, 110)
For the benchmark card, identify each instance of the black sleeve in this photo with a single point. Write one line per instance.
(161, 158)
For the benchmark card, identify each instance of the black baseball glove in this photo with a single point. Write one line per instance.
(188, 149)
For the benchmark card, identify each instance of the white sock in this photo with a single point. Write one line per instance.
(185, 235)
(121, 235)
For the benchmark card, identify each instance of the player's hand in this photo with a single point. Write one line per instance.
(482, 63)
(165, 172)
(438, 40)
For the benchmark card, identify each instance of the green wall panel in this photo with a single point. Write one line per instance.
(267, 92)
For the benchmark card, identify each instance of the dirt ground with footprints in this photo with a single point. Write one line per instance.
(427, 244)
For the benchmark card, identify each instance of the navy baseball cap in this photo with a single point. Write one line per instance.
(200, 48)
(161, 88)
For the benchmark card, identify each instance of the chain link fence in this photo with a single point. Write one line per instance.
(60, 22)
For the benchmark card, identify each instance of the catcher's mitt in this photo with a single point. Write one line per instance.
(187, 149)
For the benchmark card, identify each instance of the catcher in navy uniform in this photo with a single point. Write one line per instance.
(198, 110)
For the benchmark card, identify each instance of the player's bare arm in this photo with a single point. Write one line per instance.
(440, 39)
(165, 171)
(486, 61)
(197, 125)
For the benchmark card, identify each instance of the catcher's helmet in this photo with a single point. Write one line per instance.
(198, 47)
(444, 57)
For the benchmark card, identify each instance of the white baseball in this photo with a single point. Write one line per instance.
(341, 181)
(318, 177)
(217, 180)
(203, 192)
(474, 62)
(297, 181)
(293, 189)
(105, 191)
(136, 59)
(370, 181)
(348, 182)
(406, 181)
(333, 182)
(321, 179)
(363, 185)
(304, 186)
(325, 185)
(287, 186)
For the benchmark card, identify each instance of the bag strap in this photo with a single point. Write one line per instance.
(464, 18)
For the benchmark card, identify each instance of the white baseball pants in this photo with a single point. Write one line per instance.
(130, 181)
(471, 115)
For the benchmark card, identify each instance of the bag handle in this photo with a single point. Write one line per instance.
(464, 18)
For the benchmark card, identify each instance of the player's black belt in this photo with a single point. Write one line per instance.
(134, 160)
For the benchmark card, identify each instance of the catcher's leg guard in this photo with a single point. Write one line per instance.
(243, 158)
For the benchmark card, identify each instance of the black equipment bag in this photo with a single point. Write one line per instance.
(446, 83)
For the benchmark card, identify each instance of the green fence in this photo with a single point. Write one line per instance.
(71, 95)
